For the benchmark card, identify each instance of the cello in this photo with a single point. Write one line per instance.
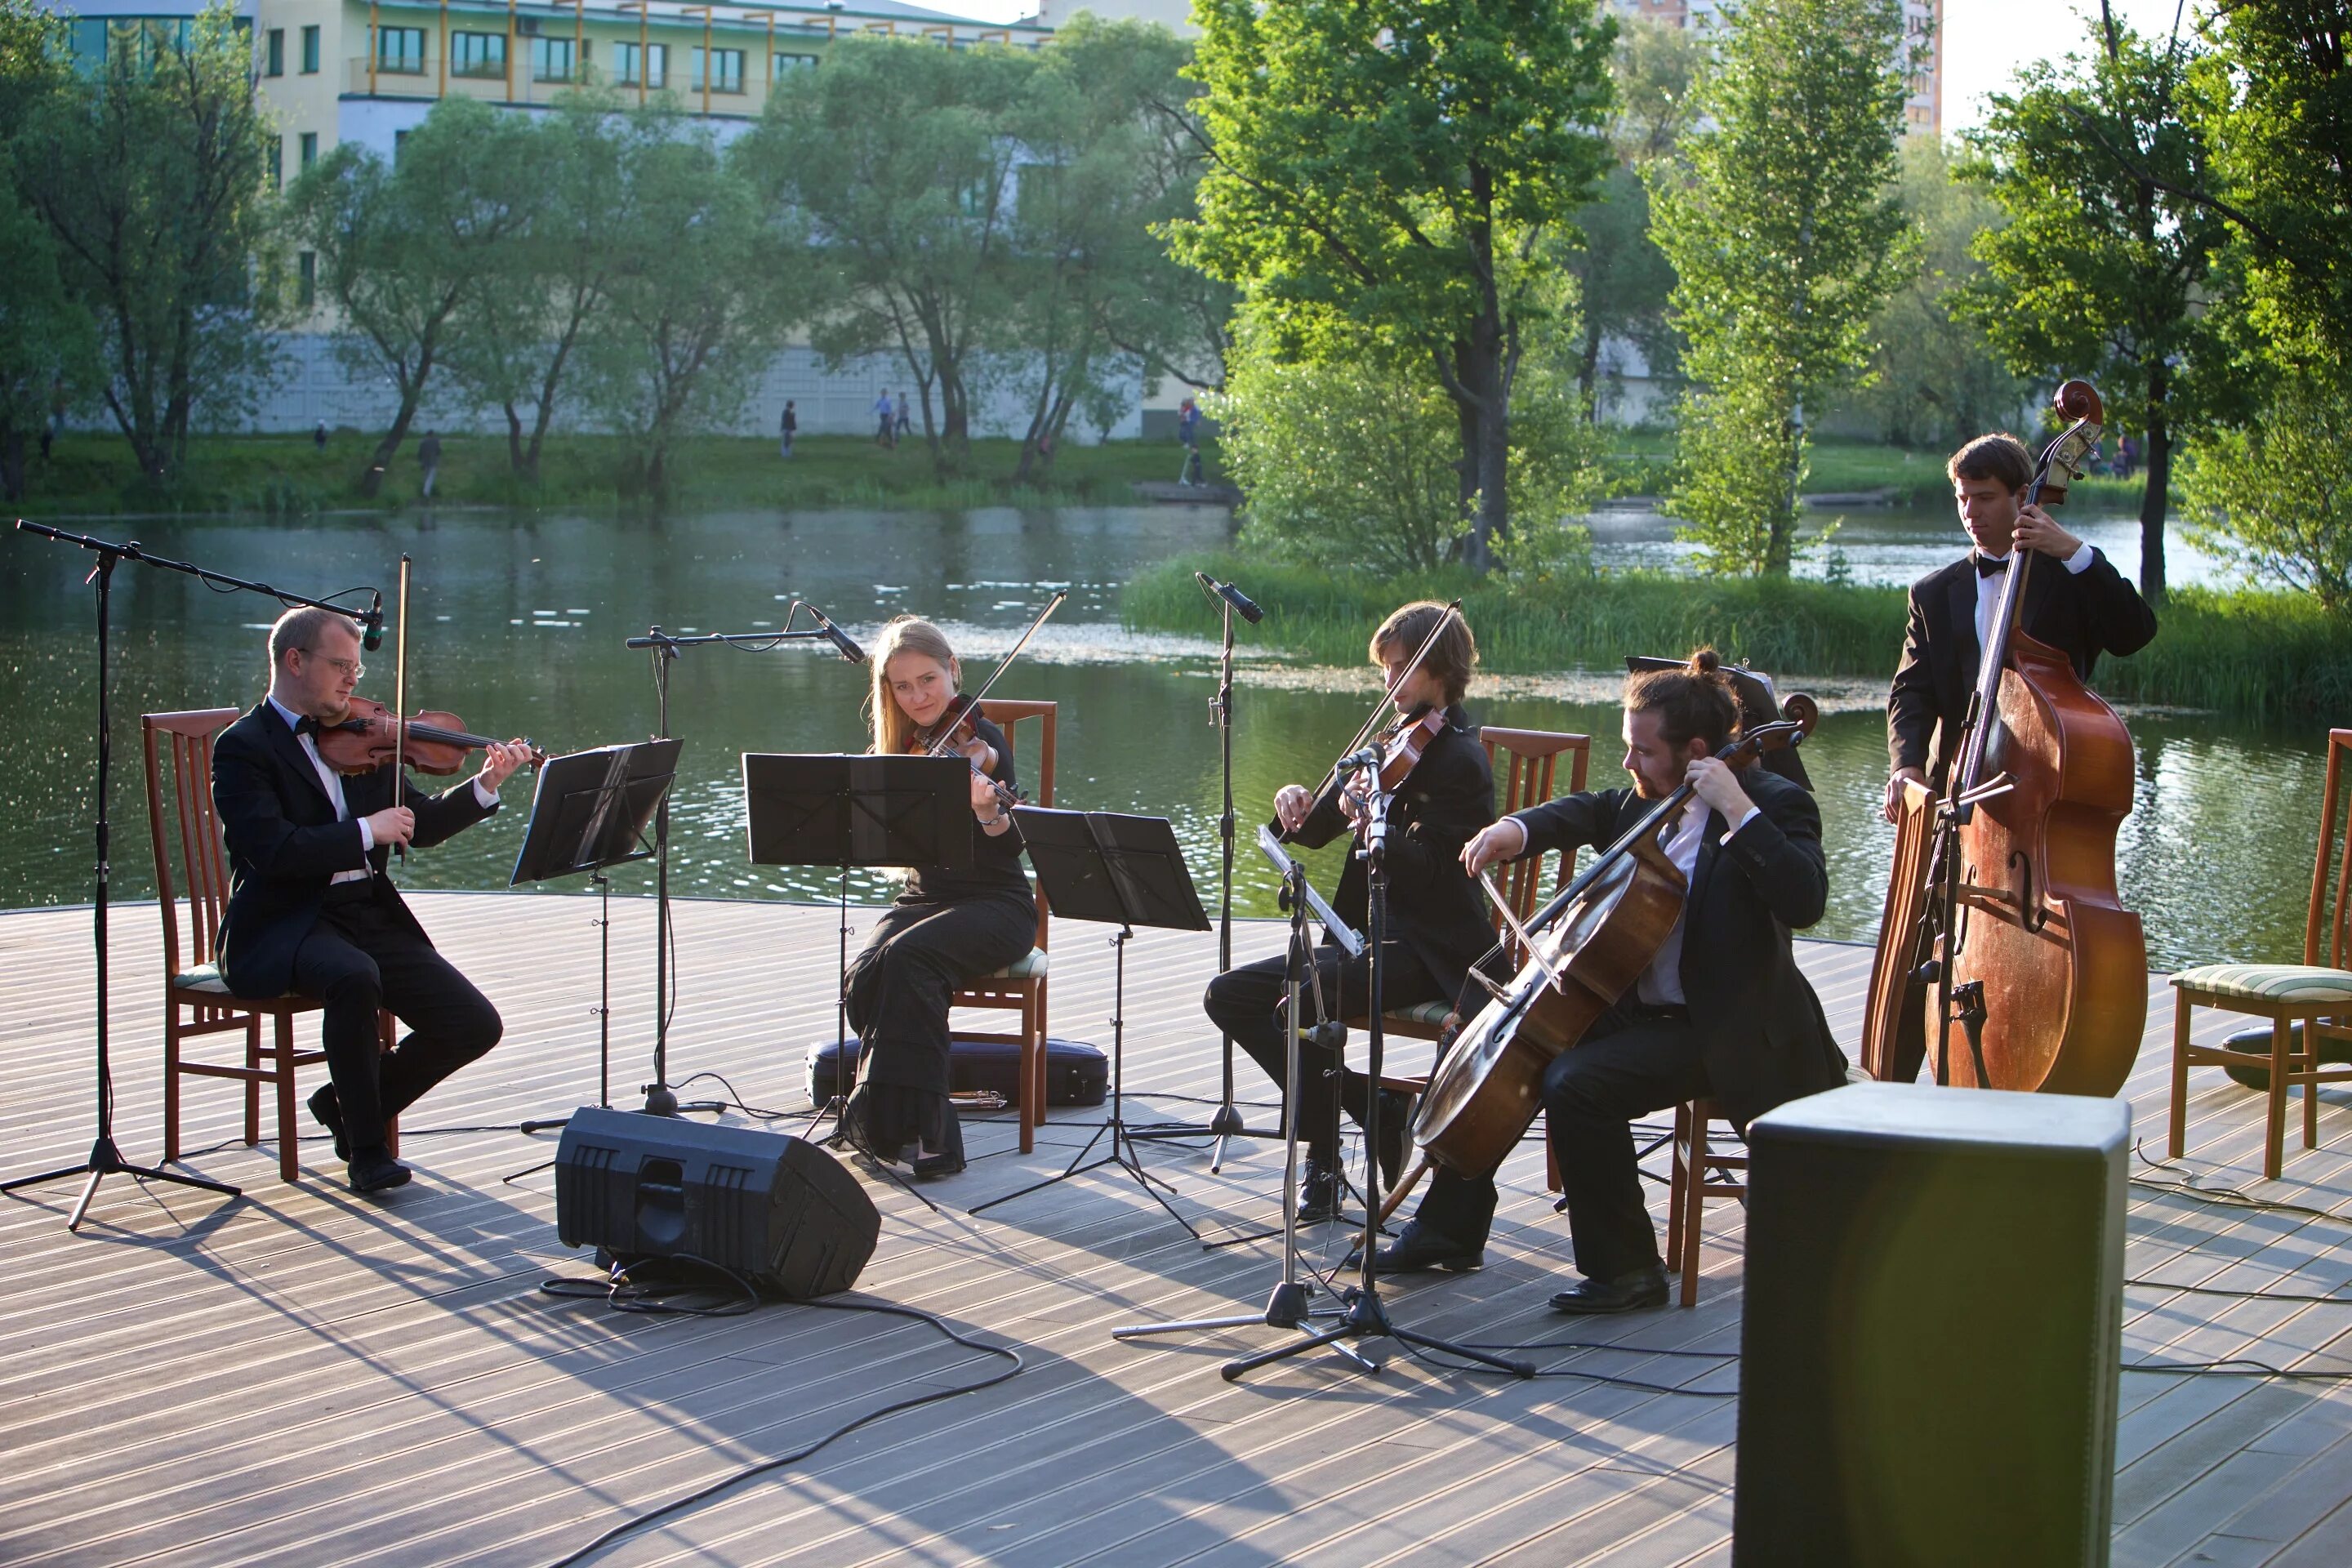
(2003, 895)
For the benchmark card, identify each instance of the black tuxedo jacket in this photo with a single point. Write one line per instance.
(2081, 613)
(285, 845)
(1761, 1027)
(1433, 907)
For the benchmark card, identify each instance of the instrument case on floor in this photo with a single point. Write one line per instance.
(1075, 1072)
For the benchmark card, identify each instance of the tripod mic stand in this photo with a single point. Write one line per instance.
(105, 1160)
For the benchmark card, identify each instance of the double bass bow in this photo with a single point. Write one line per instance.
(1582, 951)
(2003, 894)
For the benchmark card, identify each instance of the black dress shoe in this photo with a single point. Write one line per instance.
(1632, 1292)
(328, 1112)
(375, 1171)
(1419, 1248)
(1318, 1192)
(947, 1162)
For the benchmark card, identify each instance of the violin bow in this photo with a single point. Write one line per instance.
(938, 745)
(400, 696)
(1388, 691)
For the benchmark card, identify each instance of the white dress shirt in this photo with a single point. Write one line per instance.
(333, 781)
(1661, 984)
(1989, 588)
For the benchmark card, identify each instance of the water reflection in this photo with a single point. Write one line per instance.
(519, 623)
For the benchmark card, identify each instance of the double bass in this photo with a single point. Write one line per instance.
(2002, 907)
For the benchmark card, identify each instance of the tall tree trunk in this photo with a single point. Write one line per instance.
(12, 464)
(412, 393)
(1588, 371)
(514, 438)
(2153, 488)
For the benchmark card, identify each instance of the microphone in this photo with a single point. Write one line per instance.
(372, 623)
(1231, 595)
(1356, 762)
(839, 638)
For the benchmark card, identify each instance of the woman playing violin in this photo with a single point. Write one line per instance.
(1437, 924)
(946, 926)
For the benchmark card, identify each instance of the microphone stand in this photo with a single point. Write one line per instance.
(661, 1097)
(105, 1160)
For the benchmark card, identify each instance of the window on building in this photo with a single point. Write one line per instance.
(307, 265)
(87, 40)
(399, 144)
(276, 62)
(310, 150)
(477, 54)
(726, 68)
(277, 162)
(779, 64)
(655, 64)
(310, 51)
(551, 59)
(400, 50)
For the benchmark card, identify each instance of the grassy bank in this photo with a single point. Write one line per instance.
(2256, 655)
(1639, 460)
(92, 473)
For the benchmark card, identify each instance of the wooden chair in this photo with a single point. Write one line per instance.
(189, 861)
(2309, 1004)
(1701, 1172)
(1020, 986)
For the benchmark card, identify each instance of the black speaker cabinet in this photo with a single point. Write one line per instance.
(1931, 1331)
(781, 1213)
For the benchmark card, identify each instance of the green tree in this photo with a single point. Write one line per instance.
(1935, 379)
(2274, 495)
(541, 292)
(2098, 272)
(405, 247)
(694, 308)
(49, 349)
(1381, 178)
(895, 153)
(151, 178)
(1786, 237)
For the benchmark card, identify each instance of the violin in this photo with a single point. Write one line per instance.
(365, 739)
(957, 726)
(1406, 740)
(1399, 748)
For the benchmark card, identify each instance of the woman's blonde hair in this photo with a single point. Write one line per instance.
(888, 723)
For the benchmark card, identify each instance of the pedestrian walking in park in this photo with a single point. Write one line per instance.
(883, 435)
(1188, 431)
(791, 427)
(428, 456)
(319, 437)
(905, 426)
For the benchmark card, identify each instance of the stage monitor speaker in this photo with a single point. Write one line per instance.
(1931, 1329)
(781, 1213)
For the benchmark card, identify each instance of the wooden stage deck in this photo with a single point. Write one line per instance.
(303, 1378)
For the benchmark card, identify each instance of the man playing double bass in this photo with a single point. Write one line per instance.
(309, 910)
(1722, 1011)
(2078, 603)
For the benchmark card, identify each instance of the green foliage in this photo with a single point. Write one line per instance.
(150, 178)
(48, 345)
(2100, 272)
(1381, 178)
(1785, 238)
(1935, 381)
(2274, 496)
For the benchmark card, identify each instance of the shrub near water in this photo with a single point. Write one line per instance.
(2247, 654)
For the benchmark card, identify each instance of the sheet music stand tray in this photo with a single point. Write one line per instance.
(1121, 870)
(590, 812)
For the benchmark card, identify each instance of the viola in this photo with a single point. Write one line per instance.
(365, 739)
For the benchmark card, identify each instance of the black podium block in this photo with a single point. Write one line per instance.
(1932, 1329)
(780, 1212)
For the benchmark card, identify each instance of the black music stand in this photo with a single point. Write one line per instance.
(842, 810)
(1122, 870)
(591, 812)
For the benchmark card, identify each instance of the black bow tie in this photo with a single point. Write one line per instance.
(1989, 567)
(306, 725)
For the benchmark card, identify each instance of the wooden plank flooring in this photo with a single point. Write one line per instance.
(302, 1377)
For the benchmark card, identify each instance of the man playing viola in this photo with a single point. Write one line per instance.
(311, 911)
(1436, 921)
(1722, 1011)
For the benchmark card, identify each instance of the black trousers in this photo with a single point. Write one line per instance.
(1633, 1062)
(362, 956)
(900, 982)
(1245, 1003)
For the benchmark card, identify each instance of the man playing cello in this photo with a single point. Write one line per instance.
(1721, 1012)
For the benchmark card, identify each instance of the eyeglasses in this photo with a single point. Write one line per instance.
(349, 667)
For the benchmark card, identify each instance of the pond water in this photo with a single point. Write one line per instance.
(518, 625)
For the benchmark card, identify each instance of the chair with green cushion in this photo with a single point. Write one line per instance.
(190, 863)
(1020, 986)
(2309, 1004)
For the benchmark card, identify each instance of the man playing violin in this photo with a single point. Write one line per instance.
(1722, 1010)
(2075, 602)
(1437, 922)
(309, 909)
